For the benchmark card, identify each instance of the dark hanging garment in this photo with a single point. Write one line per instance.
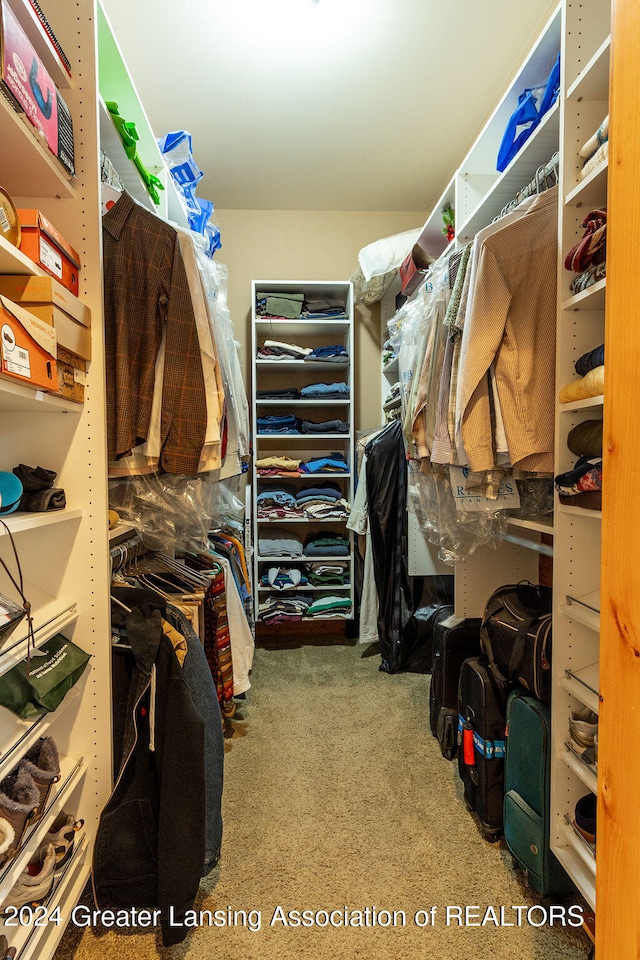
(406, 605)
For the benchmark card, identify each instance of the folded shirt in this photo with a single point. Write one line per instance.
(334, 463)
(278, 463)
(591, 275)
(591, 385)
(280, 543)
(326, 490)
(285, 305)
(335, 353)
(325, 391)
(589, 361)
(290, 393)
(326, 426)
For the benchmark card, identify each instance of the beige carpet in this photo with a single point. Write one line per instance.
(336, 797)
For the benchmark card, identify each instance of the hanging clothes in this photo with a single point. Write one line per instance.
(146, 290)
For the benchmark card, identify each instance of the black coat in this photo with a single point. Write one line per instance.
(150, 846)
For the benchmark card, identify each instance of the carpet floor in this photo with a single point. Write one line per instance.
(337, 802)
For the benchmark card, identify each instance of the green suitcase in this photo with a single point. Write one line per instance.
(526, 801)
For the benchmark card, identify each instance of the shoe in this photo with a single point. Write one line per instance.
(6, 952)
(585, 817)
(43, 763)
(36, 880)
(19, 799)
(7, 842)
(583, 730)
(61, 834)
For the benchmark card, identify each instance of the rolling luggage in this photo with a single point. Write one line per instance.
(454, 641)
(526, 801)
(481, 726)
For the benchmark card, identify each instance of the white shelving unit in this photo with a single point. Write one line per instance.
(278, 374)
(478, 192)
(576, 625)
(64, 556)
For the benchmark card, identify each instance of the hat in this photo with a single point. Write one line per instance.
(10, 492)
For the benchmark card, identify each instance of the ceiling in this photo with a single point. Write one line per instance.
(324, 104)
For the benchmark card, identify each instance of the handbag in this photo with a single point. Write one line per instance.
(516, 637)
(38, 684)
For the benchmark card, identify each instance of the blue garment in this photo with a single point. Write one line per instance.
(533, 103)
(325, 390)
(276, 496)
(589, 361)
(333, 352)
(332, 463)
(278, 424)
(327, 491)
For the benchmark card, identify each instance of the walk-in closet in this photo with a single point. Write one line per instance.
(318, 603)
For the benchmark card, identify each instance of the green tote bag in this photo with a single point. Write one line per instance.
(38, 684)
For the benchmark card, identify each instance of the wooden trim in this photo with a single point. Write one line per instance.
(618, 843)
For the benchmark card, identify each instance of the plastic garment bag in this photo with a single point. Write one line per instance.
(406, 605)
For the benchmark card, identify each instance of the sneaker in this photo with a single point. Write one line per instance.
(583, 729)
(62, 834)
(36, 880)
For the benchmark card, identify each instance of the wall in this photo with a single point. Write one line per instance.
(308, 245)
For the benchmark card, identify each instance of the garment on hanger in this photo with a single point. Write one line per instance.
(146, 289)
(151, 842)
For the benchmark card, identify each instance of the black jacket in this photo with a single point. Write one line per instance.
(150, 846)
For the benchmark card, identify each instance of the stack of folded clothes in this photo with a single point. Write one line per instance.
(582, 486)
(286, 306)
(289, 393)
(326, 574)
(278, 350)
(281, 609)
(277, 503)
(284, 578)
(335, 353)
(327, 544)
(322, 502)
(279, 543)
(325, 391)
(326, 309)
(326, 426)
(328, 607)
(590, 369)
(278, 466)
(331, 463)
(596, 150)
(278, 424)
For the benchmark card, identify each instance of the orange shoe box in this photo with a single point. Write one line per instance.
(42, 243)
(27, 347)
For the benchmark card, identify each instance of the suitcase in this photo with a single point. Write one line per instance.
(481, 735)
(454, 641)
(526, 801)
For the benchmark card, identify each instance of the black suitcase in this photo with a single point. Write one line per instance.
(526, 802)
(481, 745)
(454, 641)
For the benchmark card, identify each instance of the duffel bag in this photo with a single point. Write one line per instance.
(516, 637)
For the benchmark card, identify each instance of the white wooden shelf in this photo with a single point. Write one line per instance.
(29, 169)
(16, 397)
(589, 403)
(294, 404)
(575, 862)
(30, 23)
(278, 561)
(592, 191)
(278, 520)
(592, 83)
(579, 512)
(593, 298)
(583, 684)
(584, 771)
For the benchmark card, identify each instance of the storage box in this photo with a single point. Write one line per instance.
(32, 91)
(26, 290)
(42, 243)
(45, 298)
(27, 347)
(72, 375)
